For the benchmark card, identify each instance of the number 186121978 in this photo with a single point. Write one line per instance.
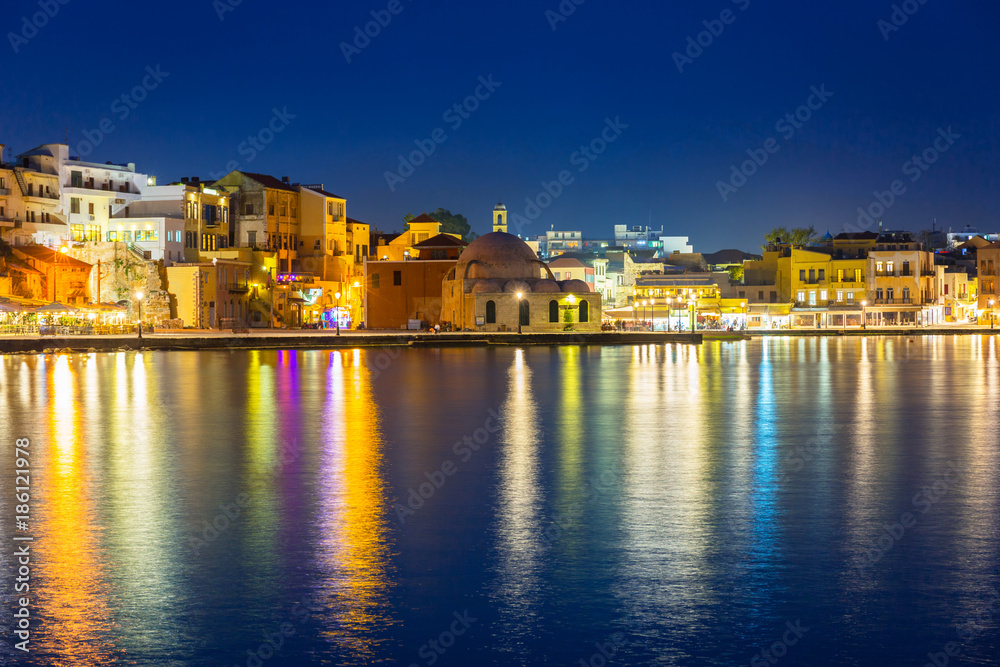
(23, 469)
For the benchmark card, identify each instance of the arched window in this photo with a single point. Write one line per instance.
(491, 312)
(584, 311)
(524, 313)
(553, 311)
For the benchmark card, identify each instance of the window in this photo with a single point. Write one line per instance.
(946, 289)
(76, 179)
(76, 232)
(906, 268)
(397, 278)
(812, 297)
(823, 296)
(850, 297)
(822, 275)
(879, 294)
(890, 268)
(584, 311)
(74, 205)
(248, 209)
(90, 208)
(802, 275)
(760, 295)
(553, 311)
(318, 245)
(801, 296)
(812, 275)
(879, 267)
(252, 239)
(284, 211)
(858, 278)
(270, 209)
(840, 275)
(840, 296)
(375, 281)
(491, 312)
(906, 295)
(329, 208)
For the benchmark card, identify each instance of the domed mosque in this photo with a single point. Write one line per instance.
(499, 284)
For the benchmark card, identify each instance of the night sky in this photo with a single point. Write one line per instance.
(892, 90)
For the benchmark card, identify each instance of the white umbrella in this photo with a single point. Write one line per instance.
(56, 307)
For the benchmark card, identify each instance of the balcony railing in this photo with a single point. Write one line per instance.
(893, 302)
(238, 288)
(4, 192)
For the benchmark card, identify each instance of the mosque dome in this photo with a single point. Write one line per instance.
(515, 286)
(546, 286)
(574, 285)
(499, 256)
(487, 286)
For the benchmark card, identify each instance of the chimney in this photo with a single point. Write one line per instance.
(284, 179)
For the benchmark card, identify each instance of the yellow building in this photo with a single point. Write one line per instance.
(399, 247)
(988, 263)
(902, 288)
(824, 286)
(957, 294)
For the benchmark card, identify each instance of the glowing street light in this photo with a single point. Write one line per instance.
(337, 312)
(138, 296)
(863, 304)
(519, 295)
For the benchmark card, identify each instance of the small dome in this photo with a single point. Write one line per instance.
(515, 286)
(546, 286)
(488, 287)
(574, 286)
(500, 207)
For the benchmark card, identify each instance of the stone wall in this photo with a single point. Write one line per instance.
(123, 273)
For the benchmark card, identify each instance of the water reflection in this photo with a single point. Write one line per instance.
(519, 531)
(353, 548)
(70, 579)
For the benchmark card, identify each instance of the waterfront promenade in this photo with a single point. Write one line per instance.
(189, 339)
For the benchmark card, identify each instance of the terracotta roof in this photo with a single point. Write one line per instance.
(49, 256)
(423, 217)
(571, 262)
(356, 222)
(441, 241)
(270, 181)
(322, 192)
(729, 256)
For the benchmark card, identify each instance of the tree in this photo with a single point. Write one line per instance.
(454, 224)
(801, 236)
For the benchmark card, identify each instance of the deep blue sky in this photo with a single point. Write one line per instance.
(606, 60)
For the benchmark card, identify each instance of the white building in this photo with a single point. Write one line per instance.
(672, 244)
(89, 193)
(637, 236)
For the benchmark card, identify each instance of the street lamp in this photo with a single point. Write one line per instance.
(635, 318)
(337, 311)
(991, 313)
(519, 295)
(138, 295)
(863, 304)
(744, 324)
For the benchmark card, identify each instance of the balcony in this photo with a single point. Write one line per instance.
(4, 192)
(237, 288)
(7, 222)
(893, 302)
